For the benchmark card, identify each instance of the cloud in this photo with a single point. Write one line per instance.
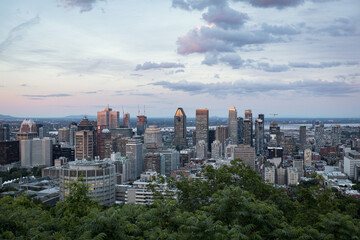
(91, 92)
(280, 4)
(84, 5)
(272, 68)
(216, 75)
(225, 17)
(322, 64)
(280, 30)
(319, 88)
(16, 34)
(151, 65)
(144, 94)
(33, 96)
(23, 85)
(180, 71)
(340, 27)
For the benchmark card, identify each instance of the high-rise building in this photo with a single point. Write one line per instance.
(201, 149)
(248, 128)
(335, 135)
(216, 149)
(259, 136)
(319, 137)
(246, 153)
(141, 124)
(302, 134)
(350, 161)
(134, 151)
(289, 144)
(9, 152)
(85, 124)
(154, 161)
(233, 125)
(275, 135)
(153, 135)
(104, 146)
(126, 120)
(36, 152)
(28, 130)
(307, 157)
(212, 137)
(100, 176)
(172, 160)
(202, 125)
(240, 122)
(72, 129)
(84, 145)
(64, 135)
(4, 132)
(108, 118)
(180, 129)
(222, 135)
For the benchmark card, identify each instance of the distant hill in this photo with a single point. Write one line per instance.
(6, 117)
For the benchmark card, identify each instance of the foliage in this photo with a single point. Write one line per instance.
(229, 203)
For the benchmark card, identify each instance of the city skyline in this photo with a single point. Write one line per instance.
(68, 57)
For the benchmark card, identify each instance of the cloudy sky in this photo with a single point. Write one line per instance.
(297, 58)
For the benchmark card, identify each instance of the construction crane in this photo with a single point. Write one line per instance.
(275, 114)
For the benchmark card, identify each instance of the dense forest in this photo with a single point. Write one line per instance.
(233, 203)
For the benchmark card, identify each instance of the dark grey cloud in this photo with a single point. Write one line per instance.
(152, 65)
(84, 5)
(225, 17)
(47, 95)
(23, 85)
(319, 88)
(16, 34)
(180, 71)
(280, 4)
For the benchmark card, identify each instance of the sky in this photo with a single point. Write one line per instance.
(296, 58)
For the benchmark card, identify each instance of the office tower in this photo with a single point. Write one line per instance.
(104, 146)
(262, 117)
(216, 150)
(152, 136)
(100, 176)
(28, 130)
(141, 124)
(319, 137)
(240, 122)
(64, 135)
(4, 132)
(59, 151)
(229, 151)
(36, 152)
(202, 125)
(9, 152)
(180, 129)
(233, 125)
(259, 136)
(221, 134)
(85, 124)
(280, 177)
(246, 153)
(289, 144)
(302, 134)
(108, 118)
(172, 160)
(119, 144)
(335, 135)
(269, 174)
(154, 161)
(307, 157)
(72, 129)
(211, 138)
(299, 165)
(275, 135)
(248, 128)
(201, 149)
(134, 151)
(126, 120)
(84, 144)
(292, 176)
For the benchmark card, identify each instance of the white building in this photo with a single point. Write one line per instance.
(36, 152)
(292, 176)
(216, 149)
(98, 175)
(350, 161)
(201, 149)
(153, 135)
(269, 174)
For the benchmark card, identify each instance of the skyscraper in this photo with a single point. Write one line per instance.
(302, 135)
(141, 124)
(202, 125)
(248, 128)
(36, 152)
(73, 128)
(104, 146)
(222, 134)
(335, 135)
(233, 125)
(84, 144)
(246, 153)
(108, 118)
(28, 130)
(240, 122)
(126, 120)
(180, 129)
(153, 136)
(134, 151)
(275, 134)
(64, 135)
(259, 136)
(319, 137)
